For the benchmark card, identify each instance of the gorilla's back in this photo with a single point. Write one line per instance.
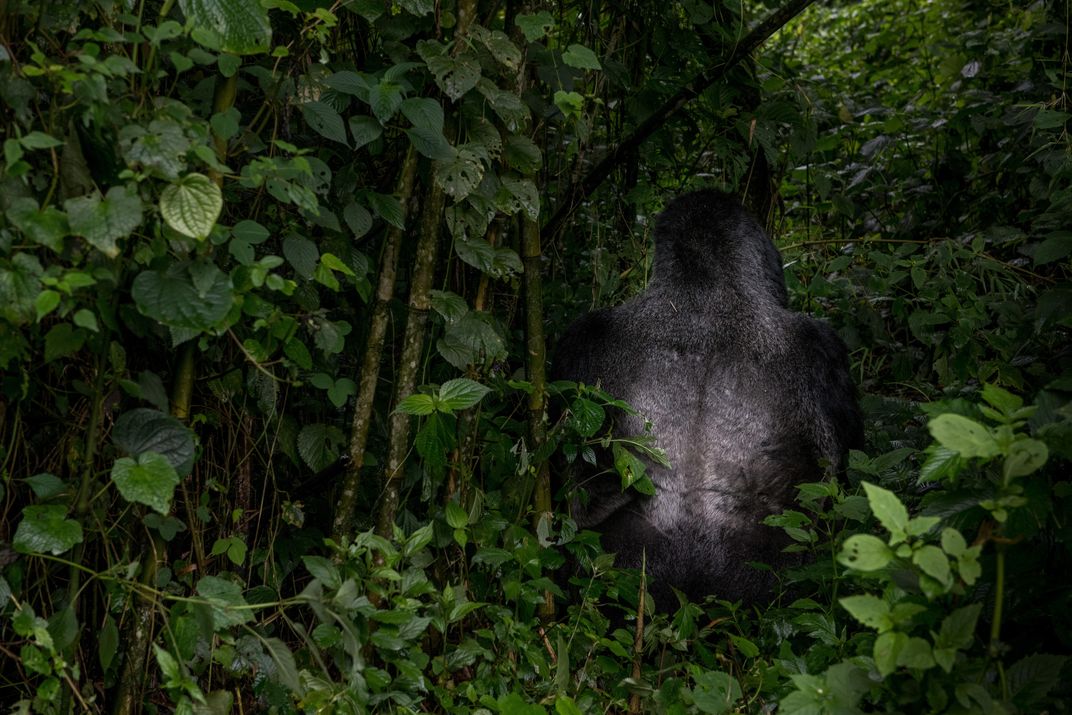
(746, 398)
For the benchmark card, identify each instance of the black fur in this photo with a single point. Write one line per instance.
(747, 398)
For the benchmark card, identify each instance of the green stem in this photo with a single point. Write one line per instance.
(998, 607)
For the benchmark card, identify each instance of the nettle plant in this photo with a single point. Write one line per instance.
(925, 585)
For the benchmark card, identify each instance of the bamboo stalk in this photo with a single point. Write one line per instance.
(370, 365)
(412, 347)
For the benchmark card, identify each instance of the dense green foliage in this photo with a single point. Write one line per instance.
(274, 428)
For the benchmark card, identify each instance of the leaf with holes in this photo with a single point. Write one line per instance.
(325, 121)
(459, 176)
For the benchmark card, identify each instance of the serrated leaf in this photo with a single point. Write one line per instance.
(46, 530)
(322, 570)
(102, 222)
(149, 480)
(461, 393)
(455, 75)
(416, 405)
(869, 610)
(191, 205)
(242, 26)
(888, 509)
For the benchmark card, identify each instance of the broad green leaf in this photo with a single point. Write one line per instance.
(953, 542)
(916, 654)
(143, 430)
(320, 445)
(159, 149)
(865, 553)
(869, 610)
(431, 143)
(581, 57)
(471, 340)
(325, 121)
(46, 302)
(47, 227)
(387, 207)
(571, 104)
(20, 283)
(887, 649)
(242, 26)
(385, 98)
(1025, 457)
(39, 140)
(191, 205)
(149, 480)
(716, 692)
(535, 26)
(286, 669)
(933, 562)
(322, 570)
(365, 130)
(348, 82)
(964, 436)
(424, 113)
(457, 517)
(172, 297)
(62, 340)
(522, 154)
(45, 485)
(499, 45)
(358, 218)
(461, 393)
(1003, 400)
(46, 529)
(225, 599)
(586, 416)
(1032, 678)
(888, 509)
(302, 254)
(102, 222)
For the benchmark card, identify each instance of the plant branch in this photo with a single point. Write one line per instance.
(580, 190)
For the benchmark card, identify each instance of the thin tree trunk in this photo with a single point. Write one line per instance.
(412, 348)
(370, 365)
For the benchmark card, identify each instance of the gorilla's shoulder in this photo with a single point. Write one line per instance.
(585, 340)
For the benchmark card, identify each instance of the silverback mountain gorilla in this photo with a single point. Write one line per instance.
(746, 397)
